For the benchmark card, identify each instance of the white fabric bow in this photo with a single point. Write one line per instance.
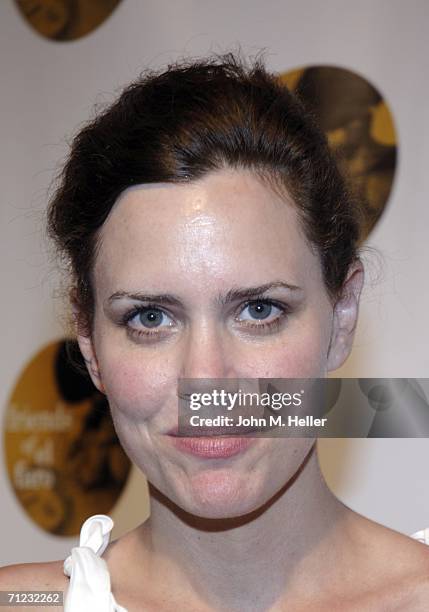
(89, 589)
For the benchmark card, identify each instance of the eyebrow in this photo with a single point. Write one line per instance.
(234, 294)
(164, 298)
(247, 292)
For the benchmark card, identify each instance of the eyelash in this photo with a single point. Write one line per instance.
(271, 326)
(128, 316)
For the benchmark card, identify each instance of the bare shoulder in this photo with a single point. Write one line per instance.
(410, 592)
(32, 577)
(415, 585)
(36, 576)
(398, 567)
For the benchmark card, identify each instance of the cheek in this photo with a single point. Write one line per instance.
(300, 353)
(137, 385)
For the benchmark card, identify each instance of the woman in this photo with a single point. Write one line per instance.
(210, 235)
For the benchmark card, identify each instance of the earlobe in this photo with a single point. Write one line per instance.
(86, 345)
(87, 349)
(345, 316)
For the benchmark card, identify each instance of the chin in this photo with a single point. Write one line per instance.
(218, 493)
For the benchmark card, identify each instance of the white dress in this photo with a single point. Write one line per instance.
(89, 589)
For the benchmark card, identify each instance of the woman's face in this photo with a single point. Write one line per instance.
(203, 248)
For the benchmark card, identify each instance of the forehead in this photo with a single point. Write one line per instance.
(227, 226)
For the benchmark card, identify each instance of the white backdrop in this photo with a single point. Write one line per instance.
(48, 89)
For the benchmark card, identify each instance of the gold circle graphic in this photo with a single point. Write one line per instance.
(63, 457)
(360, 130)
(64, 20)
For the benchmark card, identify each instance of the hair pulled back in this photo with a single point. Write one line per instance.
(181, 123)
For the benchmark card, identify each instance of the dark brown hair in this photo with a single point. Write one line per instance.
(179, 124)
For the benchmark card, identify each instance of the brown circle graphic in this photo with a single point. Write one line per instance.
(66, 19)
(63, 457)
(359, 127)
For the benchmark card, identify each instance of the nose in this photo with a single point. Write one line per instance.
(207, 354)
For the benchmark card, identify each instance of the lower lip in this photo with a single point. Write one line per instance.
(212, 447)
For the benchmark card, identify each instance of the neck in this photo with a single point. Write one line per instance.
(282, 546)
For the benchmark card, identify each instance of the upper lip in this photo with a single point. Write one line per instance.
(212, 431)
(173, 431)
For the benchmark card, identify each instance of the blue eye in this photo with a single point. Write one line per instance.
(148, 318)
(260, 310)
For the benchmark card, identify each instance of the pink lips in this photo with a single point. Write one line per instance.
(212, 447)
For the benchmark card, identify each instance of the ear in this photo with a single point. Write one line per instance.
(87, 349)
(345, 317)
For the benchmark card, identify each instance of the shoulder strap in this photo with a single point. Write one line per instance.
(89, 589)
(422, 535)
